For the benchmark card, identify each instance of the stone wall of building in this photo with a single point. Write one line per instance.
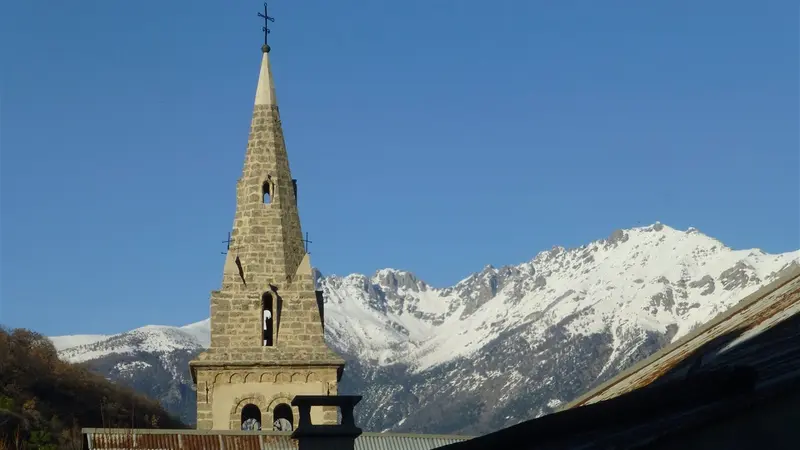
(223, 392)
(269, 234)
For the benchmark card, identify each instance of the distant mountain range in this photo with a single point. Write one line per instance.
(501, 346)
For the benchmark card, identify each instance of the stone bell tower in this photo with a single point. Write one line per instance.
(267, 320)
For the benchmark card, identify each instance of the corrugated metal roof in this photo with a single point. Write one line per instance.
(731, 338)
(389, 441)
(118, 439)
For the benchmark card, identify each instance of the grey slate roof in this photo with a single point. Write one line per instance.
(106, 438)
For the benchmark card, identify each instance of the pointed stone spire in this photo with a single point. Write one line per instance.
(267, 220)
(267, 319)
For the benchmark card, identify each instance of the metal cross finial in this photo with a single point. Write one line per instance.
(229, 241)
(306, 242)
(265, 29)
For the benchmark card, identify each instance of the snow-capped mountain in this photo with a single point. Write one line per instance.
(501, 346)
(150, 338)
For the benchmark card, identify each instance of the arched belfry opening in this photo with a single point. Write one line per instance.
(251, 418)
(267, 319)
(282, 419)
(266, 191)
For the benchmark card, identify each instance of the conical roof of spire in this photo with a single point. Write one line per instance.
(265, 92)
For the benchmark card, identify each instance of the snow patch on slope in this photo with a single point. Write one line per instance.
(131, 366)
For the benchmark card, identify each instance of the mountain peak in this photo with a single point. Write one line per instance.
(566, 318)
(651, 278)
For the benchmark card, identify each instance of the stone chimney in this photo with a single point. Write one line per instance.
(330, 437)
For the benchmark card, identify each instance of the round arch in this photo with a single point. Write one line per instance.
(251, 418)
(282, 398)
(240, 403)
(283, 417)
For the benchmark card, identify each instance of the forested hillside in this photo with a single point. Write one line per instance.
(44, 401)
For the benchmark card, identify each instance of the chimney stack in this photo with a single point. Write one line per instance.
(330, 437)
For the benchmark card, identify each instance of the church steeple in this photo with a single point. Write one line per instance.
(267, 320)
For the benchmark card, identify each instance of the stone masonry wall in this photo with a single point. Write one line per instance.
(236, 318)
(269, 235)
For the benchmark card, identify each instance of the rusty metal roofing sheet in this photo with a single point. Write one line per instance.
(119, 439)
(200, 442)
(277, 441)
(756, 313)
(243, 442)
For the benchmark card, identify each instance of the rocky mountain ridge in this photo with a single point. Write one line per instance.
(501, 346)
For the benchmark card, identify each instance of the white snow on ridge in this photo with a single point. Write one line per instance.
(643, 279)
(200, 331)
(64, 342)
(90, 352)
(611, 285)
(150, 338)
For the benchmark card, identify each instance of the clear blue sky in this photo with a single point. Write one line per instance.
(429, 135)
